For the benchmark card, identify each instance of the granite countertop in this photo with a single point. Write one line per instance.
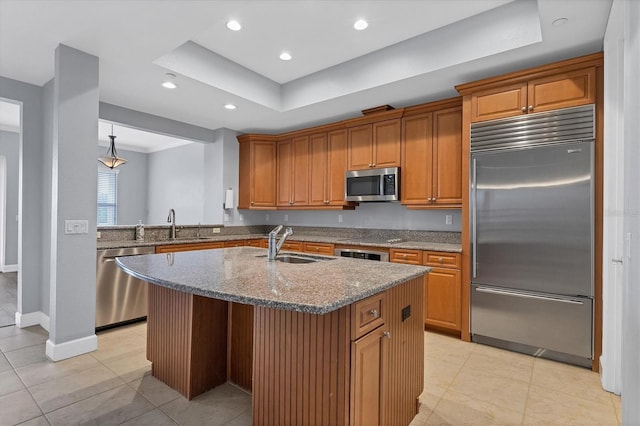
(243, 274)
(414, 245)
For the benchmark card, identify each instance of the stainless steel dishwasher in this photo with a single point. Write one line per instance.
(120, 298)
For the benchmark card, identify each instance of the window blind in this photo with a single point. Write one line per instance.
(107, 197)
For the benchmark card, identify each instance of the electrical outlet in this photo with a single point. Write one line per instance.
(339, 218)
(98, 234)
(448, 219)
(216, 230)
(240, 217)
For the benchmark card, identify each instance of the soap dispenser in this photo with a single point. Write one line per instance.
(139, 231)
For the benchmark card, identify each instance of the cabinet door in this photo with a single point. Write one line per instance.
(360, 151)
(318, 176)
(442, 298)
(562, 90)
(336, 167)
(447, 156)
(368, 361)
(499, 102)
(263, 174)
(300, 176)
(386, 143)
(285, 172)
(416, 160)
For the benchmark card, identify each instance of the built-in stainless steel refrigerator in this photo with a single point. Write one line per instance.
(532, 233)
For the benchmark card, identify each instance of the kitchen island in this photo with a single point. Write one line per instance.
(334, 341)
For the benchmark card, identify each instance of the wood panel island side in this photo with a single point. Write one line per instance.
(337, 341)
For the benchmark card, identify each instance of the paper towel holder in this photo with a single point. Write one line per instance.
(228, 199)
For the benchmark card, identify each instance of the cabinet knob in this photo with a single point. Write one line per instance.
(386, 334)
(252, 203)
(404, 256)
(530, 107)
(440, 259)
(373, 165)
(524, 109)
(373, 313)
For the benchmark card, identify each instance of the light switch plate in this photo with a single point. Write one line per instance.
(76, 226)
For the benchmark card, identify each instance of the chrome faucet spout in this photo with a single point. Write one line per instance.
(172, 220)
(274, 248)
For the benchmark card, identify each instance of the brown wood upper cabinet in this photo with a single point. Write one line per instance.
(567, 89)
(431, 173)
(328, 164)
(257, 176)
(293, 172)
(375, 145)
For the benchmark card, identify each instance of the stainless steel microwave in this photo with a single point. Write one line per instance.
(373, 185)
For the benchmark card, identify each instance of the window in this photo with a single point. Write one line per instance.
(107, 197)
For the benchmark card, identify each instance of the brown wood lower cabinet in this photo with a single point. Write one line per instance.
(170, 248)
(305, 369)
(443, 287)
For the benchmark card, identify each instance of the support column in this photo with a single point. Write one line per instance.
(73, 197)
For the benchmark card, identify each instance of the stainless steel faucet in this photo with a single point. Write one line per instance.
(273, 249)
(172, 220)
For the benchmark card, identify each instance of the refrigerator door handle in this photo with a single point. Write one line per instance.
(474, 233)
(527, 296)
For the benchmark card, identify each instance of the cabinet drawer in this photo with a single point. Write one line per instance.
(412, 257)
(292, 246)
(235, 243)
(170, 248)
(367, 315)
(257, 243)
(320, 248)
(442, 259)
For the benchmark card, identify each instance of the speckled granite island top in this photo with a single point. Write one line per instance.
(244, 275)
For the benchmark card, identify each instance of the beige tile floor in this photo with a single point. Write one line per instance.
(465, 384)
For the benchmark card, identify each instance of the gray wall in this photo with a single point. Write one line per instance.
(10, 149)
(367, 215)
(47, 166)
(74, 196)
(30, 241)
(176, 179)
(132, 186)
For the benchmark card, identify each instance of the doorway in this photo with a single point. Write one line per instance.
(10, 140)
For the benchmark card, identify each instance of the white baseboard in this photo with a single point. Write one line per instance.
(10, 268)
(32, 318)
(60, 351)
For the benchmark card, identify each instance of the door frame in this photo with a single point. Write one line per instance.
(3, 210)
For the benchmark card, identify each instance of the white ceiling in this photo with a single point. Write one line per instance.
(413, 51)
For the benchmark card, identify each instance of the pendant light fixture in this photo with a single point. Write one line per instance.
(111, 159)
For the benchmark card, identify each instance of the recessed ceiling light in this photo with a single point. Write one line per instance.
(360, 24)
(168, 83)
(285, 56)
(230, 106)
(234, 25)
(559, 21)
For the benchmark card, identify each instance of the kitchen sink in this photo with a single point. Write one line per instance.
(295, 259)
(292, 258)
